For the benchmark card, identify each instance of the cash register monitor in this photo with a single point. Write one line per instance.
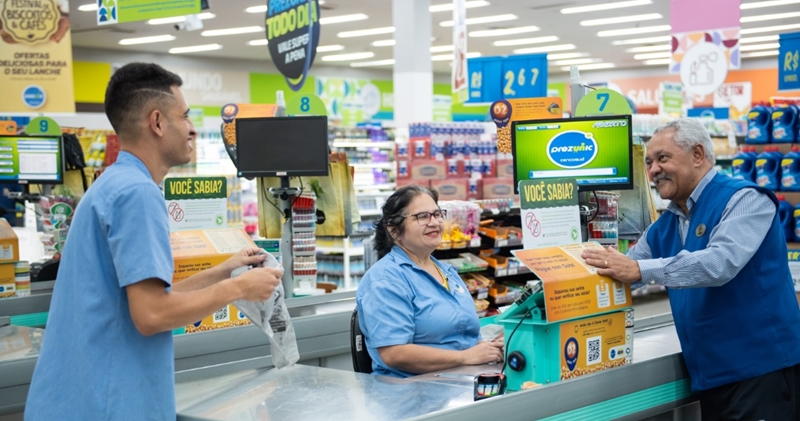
(282, 146)
(596, 151)
(31, 159)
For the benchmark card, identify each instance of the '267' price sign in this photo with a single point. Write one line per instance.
(507, 77)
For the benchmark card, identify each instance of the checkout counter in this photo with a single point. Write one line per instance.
(226, 375)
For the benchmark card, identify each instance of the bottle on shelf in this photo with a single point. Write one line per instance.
(768, 168)
(786, 217)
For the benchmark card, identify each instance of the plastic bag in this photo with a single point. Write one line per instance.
(272, 317)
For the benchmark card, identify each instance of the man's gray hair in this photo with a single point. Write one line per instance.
(689, 132)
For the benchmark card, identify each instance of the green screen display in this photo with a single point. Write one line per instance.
(595, 151)
(31, 159)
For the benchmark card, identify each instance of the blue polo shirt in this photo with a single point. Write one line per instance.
(94, 364)
(399, 303)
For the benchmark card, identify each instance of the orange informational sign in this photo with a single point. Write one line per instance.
(8, 127)
(572, 288)
(596, 343)
(505, 112)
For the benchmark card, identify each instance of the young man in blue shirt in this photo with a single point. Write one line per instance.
(107, 352)
(721, 253)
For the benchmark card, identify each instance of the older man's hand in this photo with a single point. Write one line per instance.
(614, 264)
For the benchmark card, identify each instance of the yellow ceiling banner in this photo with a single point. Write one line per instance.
(36, 56)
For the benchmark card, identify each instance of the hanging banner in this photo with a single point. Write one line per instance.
(737, 97)
(36, 57)
(788, 58)
(705, 42)
(459, 72)
(120, 11)
(293, 36)
(196, 203)
(671, 103)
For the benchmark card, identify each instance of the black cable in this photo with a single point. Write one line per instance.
(505, 359)
(266, 199)
(596, 208)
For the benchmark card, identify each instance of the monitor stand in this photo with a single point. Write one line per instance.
(286, 194)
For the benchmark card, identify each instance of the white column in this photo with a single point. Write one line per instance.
(413, 70)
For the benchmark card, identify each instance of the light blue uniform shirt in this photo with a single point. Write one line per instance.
(399, 303)
(94, 364)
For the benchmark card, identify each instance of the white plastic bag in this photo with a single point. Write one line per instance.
(272, 317)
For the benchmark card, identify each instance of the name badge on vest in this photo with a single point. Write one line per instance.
(701, 230)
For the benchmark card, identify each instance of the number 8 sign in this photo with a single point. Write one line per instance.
(306, 104)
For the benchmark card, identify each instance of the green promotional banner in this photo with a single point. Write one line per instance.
(195, 203)
(549, 212)
(121, 11)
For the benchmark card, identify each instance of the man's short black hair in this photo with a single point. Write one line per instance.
(132, 87)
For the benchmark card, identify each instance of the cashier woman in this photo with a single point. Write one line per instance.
(107, 352)
(415, 312)
(720, 251)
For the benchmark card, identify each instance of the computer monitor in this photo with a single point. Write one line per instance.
(31, 159)
(282, 146)
(596, 151)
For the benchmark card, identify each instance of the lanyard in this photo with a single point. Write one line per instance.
(445, 284)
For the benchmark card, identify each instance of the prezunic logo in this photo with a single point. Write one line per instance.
(583, 147)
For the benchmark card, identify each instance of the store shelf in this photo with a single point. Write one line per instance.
(378, 145)
(380, 165)
(511, 271)
(506, 242)
(376, 187)
(352, 251)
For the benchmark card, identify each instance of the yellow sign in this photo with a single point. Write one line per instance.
(596, 343)
(505, 112)
(572, 288)
(36, 56)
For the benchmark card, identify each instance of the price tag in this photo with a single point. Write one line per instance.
(501, 273)
(502, 243)
(483, 294)
(506, 77)
(512, 271)
(475, 242)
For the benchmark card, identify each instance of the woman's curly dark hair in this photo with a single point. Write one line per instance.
(391, 221)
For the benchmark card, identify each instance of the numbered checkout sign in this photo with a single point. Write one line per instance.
(507, 77)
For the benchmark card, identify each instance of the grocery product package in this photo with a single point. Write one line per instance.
(272, 316)
(56, 216)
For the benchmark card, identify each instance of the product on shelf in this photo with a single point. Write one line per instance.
(605, 225)
(744, 164)
(759, 124)
(785, 123)
(57, 210)
(304, 249)
(768, 168)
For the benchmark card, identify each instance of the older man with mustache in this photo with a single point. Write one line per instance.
(721, 253)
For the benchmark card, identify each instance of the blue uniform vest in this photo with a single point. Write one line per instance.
(751, 325)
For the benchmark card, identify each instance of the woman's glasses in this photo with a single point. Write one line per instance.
(424, 218)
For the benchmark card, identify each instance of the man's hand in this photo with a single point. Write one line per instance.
(613, 263)
(246, 256)
(257, 284)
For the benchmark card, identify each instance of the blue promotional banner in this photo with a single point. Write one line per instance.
(507, 77)
(788, 69)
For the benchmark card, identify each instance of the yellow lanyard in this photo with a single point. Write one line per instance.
(445, 284)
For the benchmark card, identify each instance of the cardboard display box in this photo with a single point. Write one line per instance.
(452, 189)
(8, 286)
(9, 244)
(498, 188)
(428, 169)
(194, 251)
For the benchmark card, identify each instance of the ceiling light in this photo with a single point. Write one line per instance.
(91, 7)
(146, 40)
(648, 56)
(525, 41)
(759, 39)
(450, 57)
(661, 61)
(649, 48)
(342, 18)
(449, 6)
(595, 66)
(563, 56)
(256, 9)
(383, 43)
(348, 57)
(329, 48)
(232, 31)
(621, 19)
(179, 19)
(195, 48)
(606, 6)
(366, 32)
(754, 47)
(650, 40)
(574, 61)
(633, 31)
(760, 4)
(769, 29)
(258, 42)
(483, 19)
(546, 49)
(375, 63)
(761, 18)
(441, 48)
(501, 32)
(760, 54)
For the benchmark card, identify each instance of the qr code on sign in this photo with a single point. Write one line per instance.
(593, 350)
(222, 315)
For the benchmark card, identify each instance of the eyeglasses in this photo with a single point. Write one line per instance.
(424, 218)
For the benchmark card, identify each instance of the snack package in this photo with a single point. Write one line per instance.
(272, 316)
